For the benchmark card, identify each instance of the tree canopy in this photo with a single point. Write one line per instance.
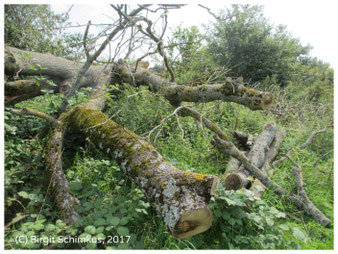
(247, 41)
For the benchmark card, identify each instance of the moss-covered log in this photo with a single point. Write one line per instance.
(175, 93)
(181, 198)
(261, 145)
(58, 185)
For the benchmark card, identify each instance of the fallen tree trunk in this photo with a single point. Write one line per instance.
(241, 178)
(180, 197)
(62, 71)
(175, 93)
(59, 70)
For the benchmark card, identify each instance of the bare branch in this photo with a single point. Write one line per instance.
(313, 135)
(85, 39)
(305, 144)
(33, 112)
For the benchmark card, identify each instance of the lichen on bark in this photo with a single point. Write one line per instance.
(174, 193)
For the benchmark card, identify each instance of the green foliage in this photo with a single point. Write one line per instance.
(190, 58)
(254, 49)
(242, 220)
(32, 27)
(36, 27)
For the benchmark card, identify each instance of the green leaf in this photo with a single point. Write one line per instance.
(114, 221)
(284, 227)
(101, 236)
(60, 224)
(229, 201)
(124, 221)
(39, 227)
(299, 234)
(90, 230)
(99, 230)
(123, 231)
(87, 206)
(23, 194)
(75, 186)
(270, 222)
(226, 215)
(100, 222)
(91, 245)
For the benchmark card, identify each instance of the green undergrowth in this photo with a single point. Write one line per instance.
(115, 214)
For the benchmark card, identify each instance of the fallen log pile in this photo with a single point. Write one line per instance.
(246, 172)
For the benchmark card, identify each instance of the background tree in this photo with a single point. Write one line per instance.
(247, 41)
(33, 27)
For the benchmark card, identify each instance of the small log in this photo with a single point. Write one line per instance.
(257, 187)
(256, 155)
(243, 139)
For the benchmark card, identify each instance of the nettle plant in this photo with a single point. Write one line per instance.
(247, 222)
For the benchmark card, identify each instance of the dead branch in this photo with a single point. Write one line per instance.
(305, 144)
(257, 186)
(33, 112)
(175, 93)
(58, 183)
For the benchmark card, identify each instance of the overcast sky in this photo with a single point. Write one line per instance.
(313, 22)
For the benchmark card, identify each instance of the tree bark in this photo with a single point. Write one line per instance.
(302, 203)
(58, 184)
(61, 71)
(181, 198)
(175, 93)
(270, 155)
(241, 178)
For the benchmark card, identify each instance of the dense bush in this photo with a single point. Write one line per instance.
(251, 46)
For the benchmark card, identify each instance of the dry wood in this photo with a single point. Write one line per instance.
(244, 140)
(175, 93)
(241, 178)
(58, 185)
(33, 112)
(257, 186)
(303, 204)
